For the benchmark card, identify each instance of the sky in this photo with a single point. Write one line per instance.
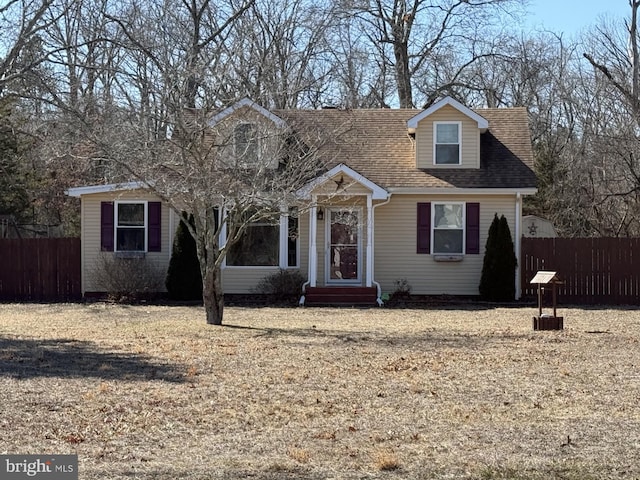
(571, 16)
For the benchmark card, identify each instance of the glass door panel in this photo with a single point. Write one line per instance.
(344, 245)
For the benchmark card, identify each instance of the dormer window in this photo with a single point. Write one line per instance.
(446, 145)
(245, 141)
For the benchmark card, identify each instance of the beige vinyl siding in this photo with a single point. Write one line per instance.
(90, 234)
(395, 246)
(244, 279)
(470, 139)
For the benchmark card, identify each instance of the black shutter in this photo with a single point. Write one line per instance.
(106, 226)
(424, 228)
(473, 228)
(154, 230)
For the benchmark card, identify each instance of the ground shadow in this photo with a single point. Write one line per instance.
(30, 358)
(427, 339)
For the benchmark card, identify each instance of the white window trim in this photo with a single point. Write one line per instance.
(115, 223)
(435, 143)
(464, 227)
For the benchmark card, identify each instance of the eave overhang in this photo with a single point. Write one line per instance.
(482, 122)
(112, 187)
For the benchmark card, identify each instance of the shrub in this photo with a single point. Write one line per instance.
(282, 286)
(127, 279)
(497, 282)
(402, 288)
(184, 281)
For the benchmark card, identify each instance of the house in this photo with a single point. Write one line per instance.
(408, 195)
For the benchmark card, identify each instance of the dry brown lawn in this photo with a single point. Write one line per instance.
(152, 392)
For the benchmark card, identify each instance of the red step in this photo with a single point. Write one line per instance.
(340, 296)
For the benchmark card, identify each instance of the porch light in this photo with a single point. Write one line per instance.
(320, 214)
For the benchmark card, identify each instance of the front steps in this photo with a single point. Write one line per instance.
(341, 297)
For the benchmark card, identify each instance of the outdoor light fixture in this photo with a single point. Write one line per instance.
(320, 214)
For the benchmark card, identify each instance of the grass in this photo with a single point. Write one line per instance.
(152, 392)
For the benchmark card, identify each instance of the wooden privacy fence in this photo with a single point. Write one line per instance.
(594, 270)
(40, 269)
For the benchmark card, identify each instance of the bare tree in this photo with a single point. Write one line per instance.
(613, 133)
(22, 23)
(279, 52)
(424, 34)
(229, 172)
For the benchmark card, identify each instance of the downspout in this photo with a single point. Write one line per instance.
(518, 244)
(378, 287)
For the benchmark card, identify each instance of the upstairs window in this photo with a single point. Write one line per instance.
(446, 143)
(245, 142)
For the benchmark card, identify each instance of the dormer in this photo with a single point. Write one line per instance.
(249, 135)
(447, 135)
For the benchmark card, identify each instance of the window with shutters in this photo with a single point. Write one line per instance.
(448, 228)
(130, 226)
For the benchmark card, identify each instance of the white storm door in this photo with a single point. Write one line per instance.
(344, 240)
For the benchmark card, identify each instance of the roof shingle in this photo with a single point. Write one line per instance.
(375, 143)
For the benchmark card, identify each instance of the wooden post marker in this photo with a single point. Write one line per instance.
(546, 321)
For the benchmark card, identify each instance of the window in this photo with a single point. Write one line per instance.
(448, 228)
(130, 227)
(446, 143)
(133, 226)
(270, 242)
(245, 140)
(258, 247)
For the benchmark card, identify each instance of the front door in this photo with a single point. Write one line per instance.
(343, 241)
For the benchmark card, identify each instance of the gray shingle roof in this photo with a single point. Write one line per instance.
(375, 143)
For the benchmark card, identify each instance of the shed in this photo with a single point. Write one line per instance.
(536, 227)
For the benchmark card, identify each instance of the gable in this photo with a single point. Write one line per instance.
(482, 122)
(247, 135)
(469, 138)
(342, 180)
(247, 105)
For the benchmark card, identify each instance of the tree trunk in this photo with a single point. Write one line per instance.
(213, 296)
(403, 75)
